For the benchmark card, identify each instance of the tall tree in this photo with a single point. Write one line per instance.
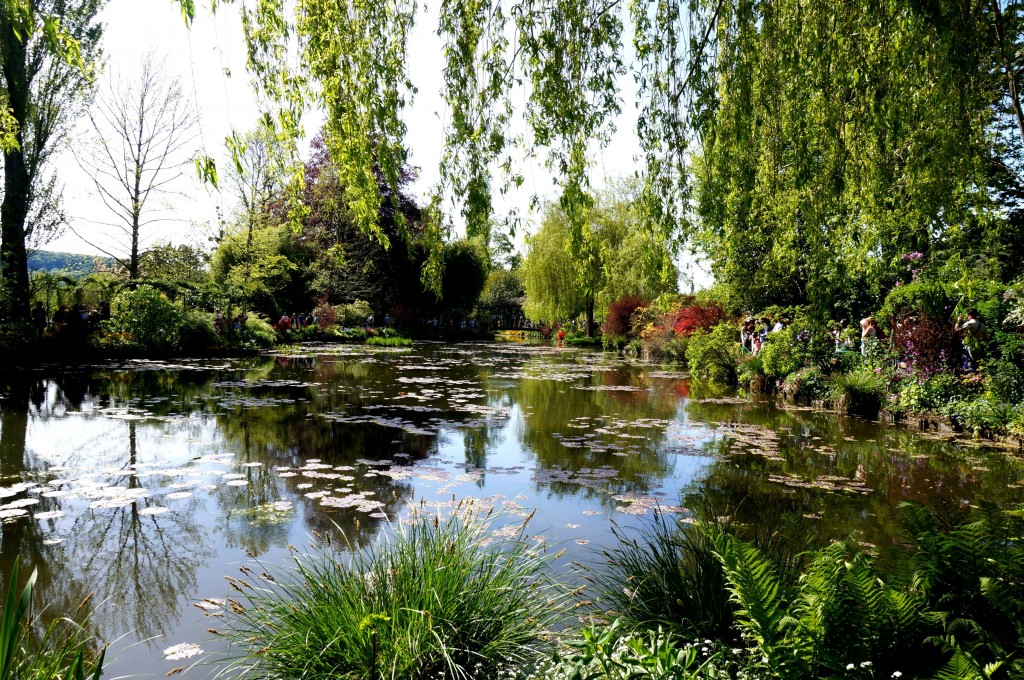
(45, 49)
(617, 258)
(142, 134)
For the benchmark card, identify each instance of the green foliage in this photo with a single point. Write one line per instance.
(986, 415)
(259, 330)
(805, 385)
(197, 331)
(581, 340)
(465, 273)
(609, 652)
(971, 568)
(180, 264)
(503, 288)
(565, 279)
(713, 356)
(153, 321)
(860, 392)
(353, 313)
(72, 264)
(377, 341)
(437, 598)
(667, 577)
(843, 620)
(65, 651)
(816, 174)
(933, 393)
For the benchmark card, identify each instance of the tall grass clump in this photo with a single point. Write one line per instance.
(63, 650)
(860, 392)
(437, 599)
(666, 577)
(391, 341)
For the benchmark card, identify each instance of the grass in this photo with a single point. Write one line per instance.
(439, 598)
(392, 341)
(65, 650)
(667, 577)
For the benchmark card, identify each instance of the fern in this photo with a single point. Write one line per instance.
(754, 587)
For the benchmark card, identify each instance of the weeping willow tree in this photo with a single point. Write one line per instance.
(802, 145)
(836, 137)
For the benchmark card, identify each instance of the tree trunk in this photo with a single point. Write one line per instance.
(590, 316)
(17, 182)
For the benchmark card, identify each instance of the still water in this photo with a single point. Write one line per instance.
(146, 483)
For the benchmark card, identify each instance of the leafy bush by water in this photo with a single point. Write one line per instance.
(259, 330)
(152, 321)
(806, 386)
(713, 355)
(438, 599)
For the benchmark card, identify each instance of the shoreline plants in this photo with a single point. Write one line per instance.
(448, 597)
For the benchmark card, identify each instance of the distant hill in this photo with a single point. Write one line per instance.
(71, 263)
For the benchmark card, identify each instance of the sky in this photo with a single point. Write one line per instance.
(209, 60)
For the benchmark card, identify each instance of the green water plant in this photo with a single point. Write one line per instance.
(64, 650)
(449, 598)
(392, 341)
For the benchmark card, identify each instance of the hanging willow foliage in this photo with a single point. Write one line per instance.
(802, 145)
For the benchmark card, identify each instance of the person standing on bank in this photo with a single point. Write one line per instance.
(973, 331)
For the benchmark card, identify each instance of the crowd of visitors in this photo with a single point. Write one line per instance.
(755, 332)
(67, 321)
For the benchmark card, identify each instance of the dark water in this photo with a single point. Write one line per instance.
(147, 482)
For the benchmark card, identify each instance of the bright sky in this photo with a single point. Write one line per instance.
(201, 58)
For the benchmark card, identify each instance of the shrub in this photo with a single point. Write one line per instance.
(617, 321)
(259, 330)
(610, 652)
(148, 316)
(17, 338)
(750, 373)
(667, 577)
(354, 313)
(686, 320)
(805, 386)
(437, 599)
(581, 340)
(713, 355)
(197, 330)
(326, 314)
(931, 394)
(985, 416)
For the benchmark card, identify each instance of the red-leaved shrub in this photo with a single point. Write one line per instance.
(685, 320)
(616, 323)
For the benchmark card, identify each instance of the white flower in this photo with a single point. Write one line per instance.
(850, 666)
(897, 674)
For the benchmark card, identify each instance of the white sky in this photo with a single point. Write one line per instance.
(200, 56)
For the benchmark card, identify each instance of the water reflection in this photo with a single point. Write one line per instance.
(168, 473)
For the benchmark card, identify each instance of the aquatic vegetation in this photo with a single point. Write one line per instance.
(380, 341)
(441, 597)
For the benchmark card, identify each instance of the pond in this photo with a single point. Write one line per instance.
(146, 483)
